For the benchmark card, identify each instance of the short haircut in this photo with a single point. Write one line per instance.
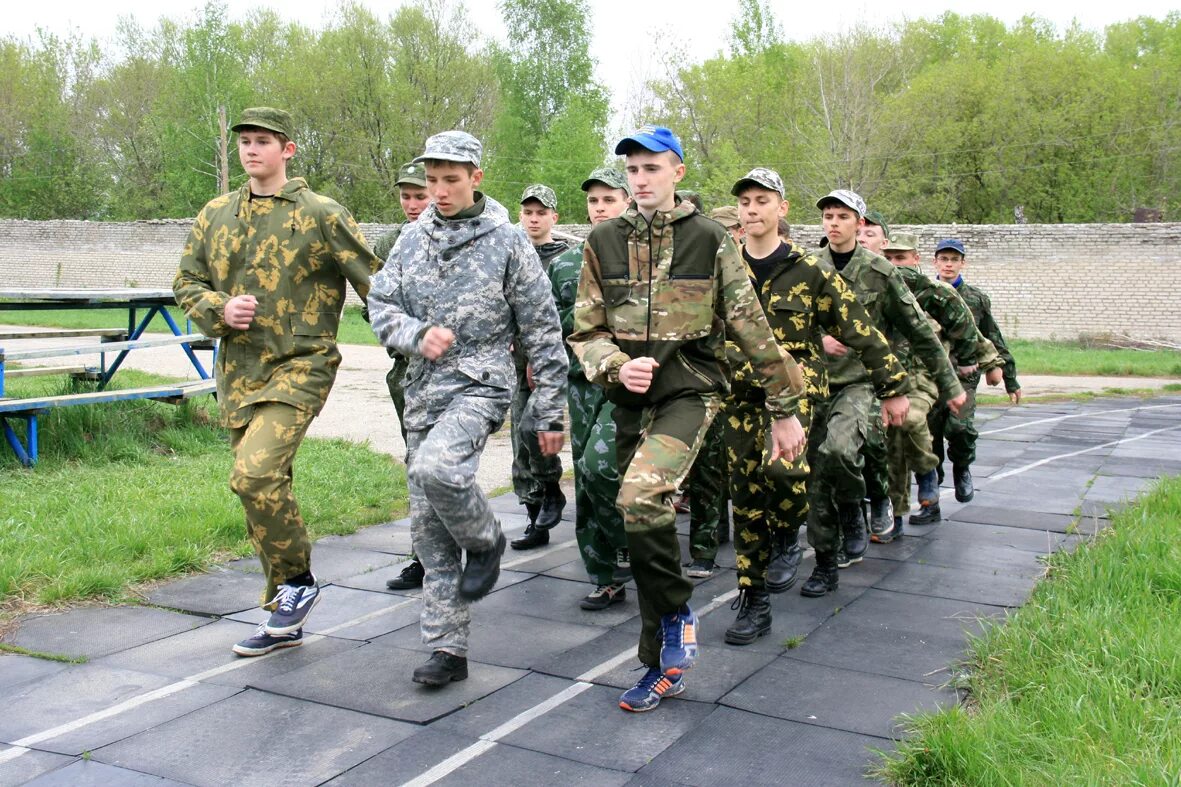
(438, 162)
(784, 228)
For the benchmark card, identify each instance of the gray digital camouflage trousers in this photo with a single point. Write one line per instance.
(449, 514)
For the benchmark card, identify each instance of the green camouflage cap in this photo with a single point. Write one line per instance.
(763, 178)
(452, 146)
(271, 119)
(542, 193)
(412, 174)
(850, 199)
(609, 177)
(727, 216)
(902, 241)
(874, 217)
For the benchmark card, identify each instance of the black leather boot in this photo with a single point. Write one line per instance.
(481, 571)
(927, 515)
(442, 668)
(853, 529)
(824, 577)
(784, 566)
(552, 506)
(533, 537)
(754, 617)
(964, 491)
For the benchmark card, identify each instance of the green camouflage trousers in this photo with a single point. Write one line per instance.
(264, 452)
(598, 525)
(876, 454)
(657, 446)
(910, 444)
(532, 470)
(959, 430)
(708, 489)
(839, 429)
(393, 381)
(768, 497)
(449, 514)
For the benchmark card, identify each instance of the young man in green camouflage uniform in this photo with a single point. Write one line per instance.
(840, 425)
(598, 525)
(801, 299)
(462, 285)
(659, 285)
(537, 478)
(413, 198)
(909, 445)
(264, 269)
(957, 427)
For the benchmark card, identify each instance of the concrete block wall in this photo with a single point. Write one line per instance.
(1046, 281)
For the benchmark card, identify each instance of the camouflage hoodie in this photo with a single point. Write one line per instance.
(480, 277)
(673, 289)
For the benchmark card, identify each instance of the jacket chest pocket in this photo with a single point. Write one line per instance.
(626, 311)
(791, 322)
(682, 308)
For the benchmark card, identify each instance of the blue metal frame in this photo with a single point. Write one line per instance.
(137, 331)
(27, 458)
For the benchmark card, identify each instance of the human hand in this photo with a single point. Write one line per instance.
(956, 403)
(529, 376)
(894, 410)
(550, 442)
(436, 341)
(833, 347)
(636, 375)
(239, 311)
(788, 439)
(1015, 396)
(994, 376)
(964, 371)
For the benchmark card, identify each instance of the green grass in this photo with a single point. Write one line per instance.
(1086, 358)
(138, 491)
(86, 318)
(1083, 684)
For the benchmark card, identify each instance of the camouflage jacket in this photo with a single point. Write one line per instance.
(673, 289)
(801, 298)
(895, 311)
(480, 277)
(385, 242)
(546, 253)
(564, 273)
(981, 307)
(293, 252)
(964, 343)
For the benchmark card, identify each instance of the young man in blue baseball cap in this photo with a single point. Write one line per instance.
(661, 286)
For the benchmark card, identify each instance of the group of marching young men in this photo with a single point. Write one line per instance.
(811, 383)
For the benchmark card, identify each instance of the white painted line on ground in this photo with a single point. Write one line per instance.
(1091, 413)
(1048, 459)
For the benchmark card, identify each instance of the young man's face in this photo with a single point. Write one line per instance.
(759, 210)
(653, 178)
(871, 237)
(538, 221)
(949, 263)
(452, 186)
(908, 259)
(840, 226)
(604, 202)
(414, 200)
(262, 155)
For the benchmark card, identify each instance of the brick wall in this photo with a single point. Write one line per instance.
(1046, 281)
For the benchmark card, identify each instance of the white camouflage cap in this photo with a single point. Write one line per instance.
(453, 146)
(850, 199)
(763, 177)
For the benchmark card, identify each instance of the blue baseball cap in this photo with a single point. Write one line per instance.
(950, 243)
(654, 138)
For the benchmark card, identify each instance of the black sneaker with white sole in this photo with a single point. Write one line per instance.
(293, 604)
(260, 643)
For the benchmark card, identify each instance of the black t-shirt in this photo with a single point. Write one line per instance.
(841, 258)
(762, 268)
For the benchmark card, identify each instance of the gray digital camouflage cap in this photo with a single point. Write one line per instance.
(762, 177)
(271, 119)
(412, 174)
(542, 193)
(452, 146)
(609, 177)
(850, 199)
(902, 241)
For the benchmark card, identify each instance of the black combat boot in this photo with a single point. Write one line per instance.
(852, 521)
(552, 506)
(442, 668)
(963, 483)
(481, 571)
(881, 517)
(824, 577)
(533, 535)
(786, 555)
(754, 617)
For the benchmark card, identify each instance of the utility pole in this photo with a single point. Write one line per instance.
(223, 161)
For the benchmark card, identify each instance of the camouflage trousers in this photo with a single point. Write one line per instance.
(393, 381)
(769, 497)
(532, 470)
(598, 525)
(264, 452)
(876, 455)
(657, 446)
(448, 514)
(910, 443)
(840, 426)
(959, 430)
(708, 491)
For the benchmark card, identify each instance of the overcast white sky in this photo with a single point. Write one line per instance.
(623, 41)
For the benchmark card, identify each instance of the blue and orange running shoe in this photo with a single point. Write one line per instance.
(678, 637)
(650, 690)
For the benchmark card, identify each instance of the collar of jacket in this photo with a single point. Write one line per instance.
(289, 192)
(660, 218)
(958, 281)
(448, 234)
(552, 249)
